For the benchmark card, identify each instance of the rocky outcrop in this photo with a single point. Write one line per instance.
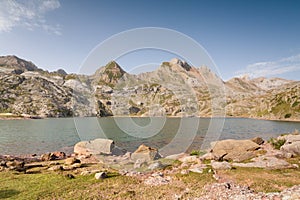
(235, 150)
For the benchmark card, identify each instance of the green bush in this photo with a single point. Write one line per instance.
(277, 143)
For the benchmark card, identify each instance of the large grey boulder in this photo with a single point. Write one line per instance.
(291, 138)
(145, 153)
(235, 150)
(291, 148)
(94, 147)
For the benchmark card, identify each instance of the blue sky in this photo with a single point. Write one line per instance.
(259, 38)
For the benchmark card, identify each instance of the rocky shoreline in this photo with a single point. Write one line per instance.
(100, 156)
(18, 117)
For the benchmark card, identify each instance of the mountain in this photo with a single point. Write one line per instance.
(16, 65)
(174, 89)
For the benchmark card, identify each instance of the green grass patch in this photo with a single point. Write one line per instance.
(197, 153)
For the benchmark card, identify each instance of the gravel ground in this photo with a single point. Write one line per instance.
(231, 191)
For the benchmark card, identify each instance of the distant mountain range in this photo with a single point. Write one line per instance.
(174, 89)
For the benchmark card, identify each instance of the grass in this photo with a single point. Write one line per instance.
(197, 153)
(42, 184)
(58, 186)
(262, 180)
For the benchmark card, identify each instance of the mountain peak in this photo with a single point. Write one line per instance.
(114, 66)
(16, 63)
(110, 73)
(183, 64)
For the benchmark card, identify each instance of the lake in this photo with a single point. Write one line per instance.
(169, 135)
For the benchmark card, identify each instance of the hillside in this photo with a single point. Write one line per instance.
(174, 89)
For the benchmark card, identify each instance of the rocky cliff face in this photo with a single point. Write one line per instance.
(174, 89)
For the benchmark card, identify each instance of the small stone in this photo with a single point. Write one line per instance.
(76, 165)
(15, 164)
(100, 175)
(58, 155)
(71, 161)
(48, 157)
(87, 172)
(70, 176)
(208, 156)
(220, 165)
(196, 170)
(189, 159)
(185, 172)
(295, 166)
(3, 163)
(55, 168)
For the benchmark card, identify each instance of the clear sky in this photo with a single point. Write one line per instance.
(259, 38)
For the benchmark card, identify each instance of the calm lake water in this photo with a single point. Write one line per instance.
(169, 135)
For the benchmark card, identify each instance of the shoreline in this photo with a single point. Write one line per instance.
(26, 117)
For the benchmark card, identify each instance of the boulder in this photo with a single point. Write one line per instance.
(94, 147)
(236, 150)
(145, 153)
(291, 138)
(258, 140)
(292, 149)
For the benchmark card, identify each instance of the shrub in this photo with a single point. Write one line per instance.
(277, 143)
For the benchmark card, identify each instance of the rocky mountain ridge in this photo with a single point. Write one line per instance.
(174, 89)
